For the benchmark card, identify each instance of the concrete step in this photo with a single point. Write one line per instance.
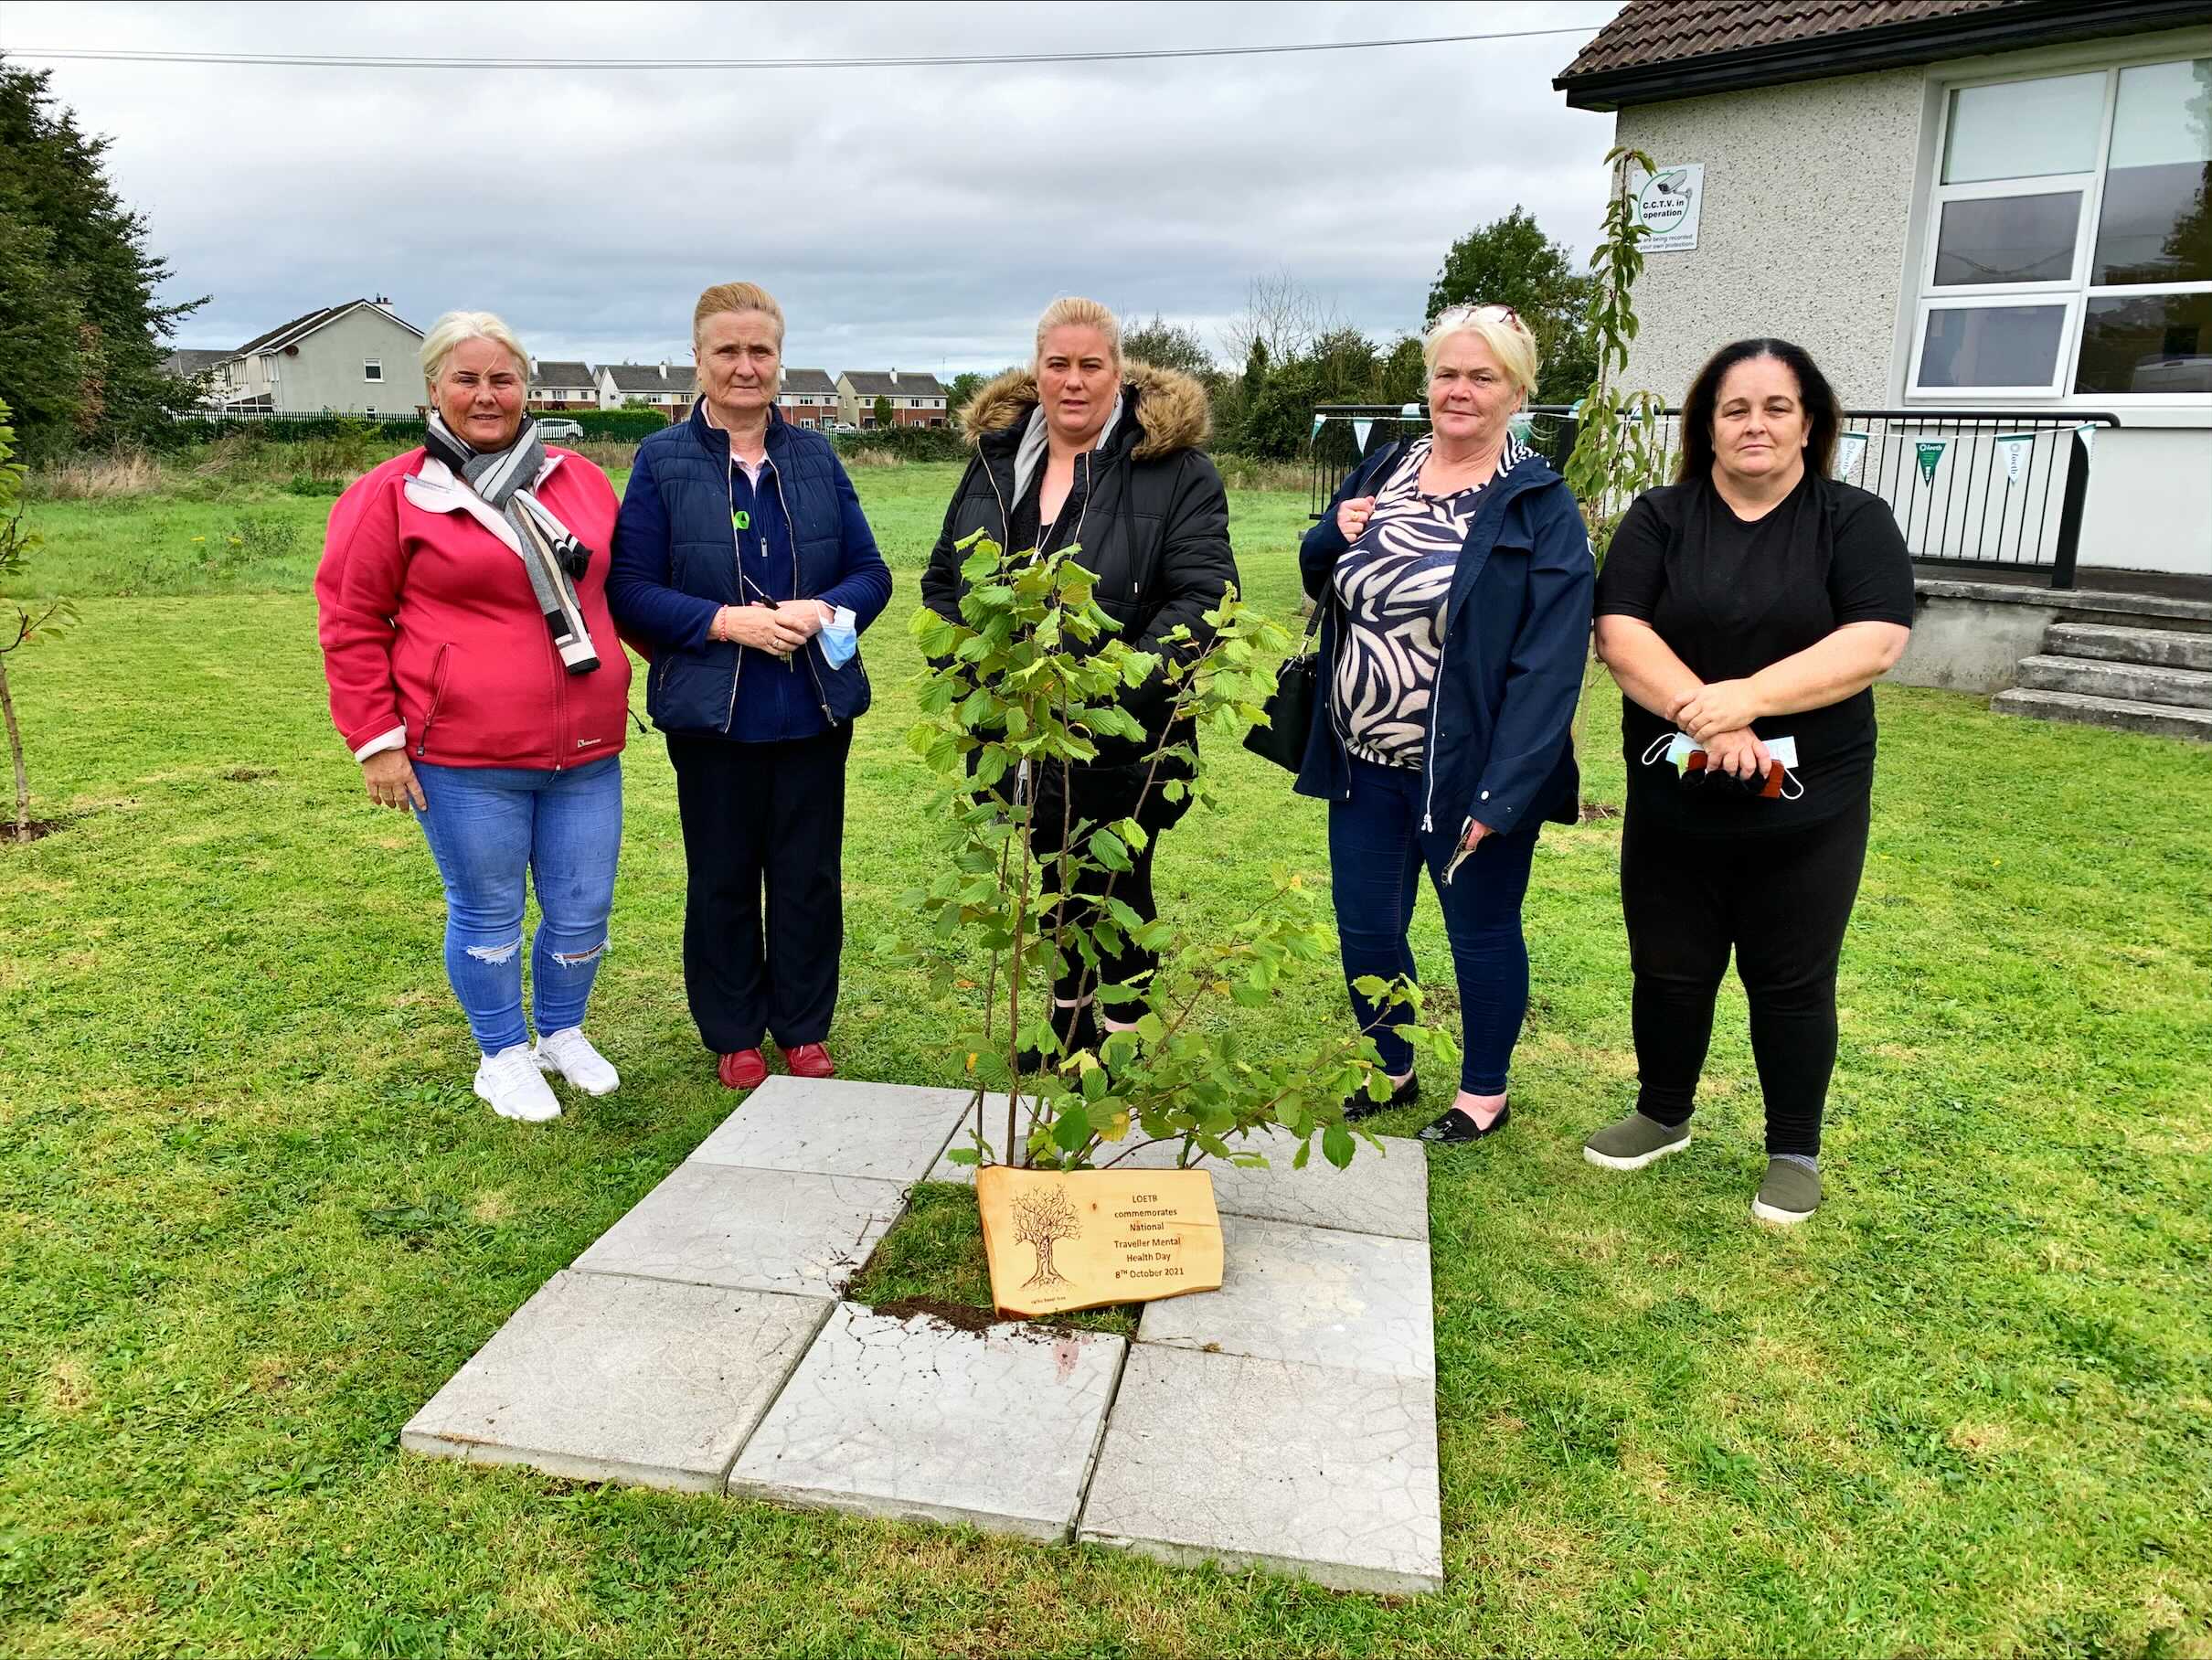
(2164, 646)
(2186, 689)
(2160, 719)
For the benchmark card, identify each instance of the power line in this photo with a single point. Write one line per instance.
(313, 61)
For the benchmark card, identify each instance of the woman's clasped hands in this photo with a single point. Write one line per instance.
(1720, 716)
(781, 628)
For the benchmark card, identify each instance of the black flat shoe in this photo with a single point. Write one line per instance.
(1356, 1107)
(1457, 1126)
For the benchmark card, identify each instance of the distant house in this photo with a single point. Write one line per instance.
(661, 386)
(562, 386)
(358, 357)
(916, 400)
(809, 398)
(196, 367)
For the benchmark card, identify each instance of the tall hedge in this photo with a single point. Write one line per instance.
(907, 443)
(620, 426)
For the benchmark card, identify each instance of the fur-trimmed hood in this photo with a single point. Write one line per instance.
(1170, 408)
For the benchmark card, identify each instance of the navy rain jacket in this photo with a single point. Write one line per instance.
(676, 563)
(1516, 635)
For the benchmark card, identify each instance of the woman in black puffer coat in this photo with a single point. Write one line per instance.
(1082, 450)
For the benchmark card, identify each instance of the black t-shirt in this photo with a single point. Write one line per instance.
(1730, 598)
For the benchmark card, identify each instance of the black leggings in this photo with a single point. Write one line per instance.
(1783, 901)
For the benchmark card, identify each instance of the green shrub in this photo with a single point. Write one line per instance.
(907, 443)
(621, 425)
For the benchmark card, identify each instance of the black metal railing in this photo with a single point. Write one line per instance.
(1998, 489)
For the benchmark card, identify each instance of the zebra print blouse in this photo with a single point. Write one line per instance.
(1393, 584)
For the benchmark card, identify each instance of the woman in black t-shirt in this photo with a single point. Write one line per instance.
(1745, 610)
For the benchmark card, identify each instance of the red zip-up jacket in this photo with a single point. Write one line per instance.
(427, 625)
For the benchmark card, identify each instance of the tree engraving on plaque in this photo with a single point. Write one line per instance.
(1042, 1218)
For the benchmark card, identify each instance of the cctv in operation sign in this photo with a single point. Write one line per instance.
(1667, 205)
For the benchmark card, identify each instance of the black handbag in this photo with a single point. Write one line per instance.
(1290, 711)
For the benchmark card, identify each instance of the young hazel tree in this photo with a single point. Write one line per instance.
(22, 622)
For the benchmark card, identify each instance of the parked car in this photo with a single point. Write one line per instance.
(559, 429)
(843, 426)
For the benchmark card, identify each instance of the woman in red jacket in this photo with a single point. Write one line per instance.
(476, 674)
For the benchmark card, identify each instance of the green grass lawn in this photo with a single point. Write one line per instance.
(252, 1217)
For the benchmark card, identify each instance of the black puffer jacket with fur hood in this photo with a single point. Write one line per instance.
(1154, 522)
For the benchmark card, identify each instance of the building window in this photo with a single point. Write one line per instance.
(372, 369)
(2069, 239)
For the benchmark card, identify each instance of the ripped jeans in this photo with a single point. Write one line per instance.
(489, 827)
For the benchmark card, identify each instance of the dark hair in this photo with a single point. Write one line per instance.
(1821, 416)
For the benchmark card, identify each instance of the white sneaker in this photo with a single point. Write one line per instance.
(512, 1084)
(570, 1054)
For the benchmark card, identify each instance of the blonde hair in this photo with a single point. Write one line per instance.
(1069, 311)
(457, 326)
(736, 297)
(1506, 336)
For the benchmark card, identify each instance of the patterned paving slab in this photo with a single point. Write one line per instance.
(835, 1127)
(606, 1377)
(1381, 1193)
(1317, 1296)
(786, 1230)
(1313, 1471)
(914, 1419)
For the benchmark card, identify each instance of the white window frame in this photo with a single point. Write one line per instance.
(372, 369)
(2076, 290)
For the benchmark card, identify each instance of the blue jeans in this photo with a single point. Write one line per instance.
(490, 827)
(1376, 848)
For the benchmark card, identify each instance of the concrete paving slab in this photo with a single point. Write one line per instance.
(1317, 1472)
(1379, 1192)
(914, 1419)
(1315, 1295)
(837, 1126)
(606, 1377)
(786, 1230)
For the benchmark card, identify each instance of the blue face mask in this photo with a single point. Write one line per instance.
(840, 639)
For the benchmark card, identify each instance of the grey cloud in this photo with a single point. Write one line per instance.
(918, 216)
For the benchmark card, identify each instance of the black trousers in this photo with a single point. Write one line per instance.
(1101, 798)
(763, 907)
(1782, 903)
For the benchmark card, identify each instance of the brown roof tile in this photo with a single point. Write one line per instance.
(1648, 32)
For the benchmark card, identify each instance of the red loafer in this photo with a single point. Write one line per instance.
(744, 1069)
(810, 1060)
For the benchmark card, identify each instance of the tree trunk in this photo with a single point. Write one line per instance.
(14, 750)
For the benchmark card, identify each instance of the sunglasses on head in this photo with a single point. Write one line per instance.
(1482, 313)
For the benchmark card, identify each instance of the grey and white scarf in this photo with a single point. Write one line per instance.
(553, 558)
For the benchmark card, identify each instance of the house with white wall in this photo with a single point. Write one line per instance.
(557, 385)
(662, 385)
(358, 357)
(1990, 223)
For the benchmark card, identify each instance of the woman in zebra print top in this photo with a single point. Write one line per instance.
(1455, 577)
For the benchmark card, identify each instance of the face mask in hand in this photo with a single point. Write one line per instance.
(1681, 752)
(840, 639)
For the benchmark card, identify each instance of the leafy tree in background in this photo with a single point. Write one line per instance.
(883, 409)
(80, 332)
(1510, 261)
(962, 389)
(1169, 346)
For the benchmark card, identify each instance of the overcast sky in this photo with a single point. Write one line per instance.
(917, 217)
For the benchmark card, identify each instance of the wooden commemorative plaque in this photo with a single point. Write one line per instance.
(1059, 1240)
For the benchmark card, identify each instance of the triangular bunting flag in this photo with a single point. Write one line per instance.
(2016, 449)
(2087, 430)
(1360, 428)
(1850, 449)
(1930, 451)
(1319, 422)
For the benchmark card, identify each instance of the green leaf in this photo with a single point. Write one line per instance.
(1071, 1128)
(1109, 850)
(1336, 1145)
(962, 1156)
